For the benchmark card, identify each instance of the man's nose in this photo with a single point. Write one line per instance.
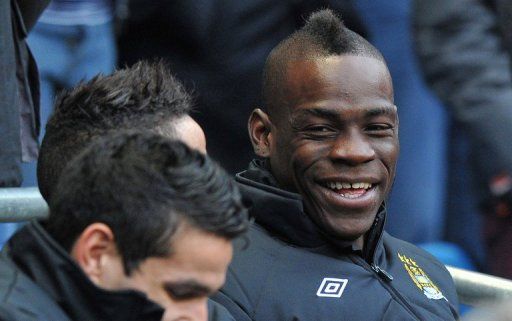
(352, 148)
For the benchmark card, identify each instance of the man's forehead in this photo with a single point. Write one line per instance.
(300, 72)
(186, 129)
(345, 78)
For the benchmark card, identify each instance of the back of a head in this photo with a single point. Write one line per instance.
(323, 35)
(144, 96)
(143, 186)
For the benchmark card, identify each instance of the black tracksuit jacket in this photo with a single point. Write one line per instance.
(287, 270)
(39, 281)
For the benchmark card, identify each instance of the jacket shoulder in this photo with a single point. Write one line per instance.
(21, 299)
(393, 242)
(408, 254)
(255, 256)
(217, 312)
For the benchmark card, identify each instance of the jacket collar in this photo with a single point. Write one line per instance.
(51, 268)
(282, 214)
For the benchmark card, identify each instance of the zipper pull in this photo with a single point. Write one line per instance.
(382, 273)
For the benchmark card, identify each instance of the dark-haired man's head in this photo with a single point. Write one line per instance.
(138, 211)
(143, 97)
(329, 127)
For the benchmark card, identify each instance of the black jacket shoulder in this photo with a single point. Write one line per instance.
(21, 299)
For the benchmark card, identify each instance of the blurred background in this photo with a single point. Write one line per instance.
(450, 64)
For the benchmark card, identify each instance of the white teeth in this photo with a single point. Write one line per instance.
(349, 196)
(343, 185)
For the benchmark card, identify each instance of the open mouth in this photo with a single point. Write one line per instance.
(350, 190)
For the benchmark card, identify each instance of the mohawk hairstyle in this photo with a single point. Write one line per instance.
(323, 35)
(144, 96)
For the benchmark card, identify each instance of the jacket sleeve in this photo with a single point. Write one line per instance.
(462, 54)
(30, 11)
(236, 312)
(8, 314)
(234, 297)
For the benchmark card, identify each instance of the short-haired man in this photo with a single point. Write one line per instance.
(144, 97)
(329, 139)
(139, 225)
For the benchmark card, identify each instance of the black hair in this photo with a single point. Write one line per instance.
(143, 186)
(143, 96)
(323, 35)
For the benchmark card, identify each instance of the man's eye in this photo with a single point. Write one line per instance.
(187, 292)
(182, 296)
(319, 129)
(378, 127)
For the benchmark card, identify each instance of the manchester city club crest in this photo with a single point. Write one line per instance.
(421, 279)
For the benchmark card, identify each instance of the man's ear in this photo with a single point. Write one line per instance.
(260, 132)
(93, 250)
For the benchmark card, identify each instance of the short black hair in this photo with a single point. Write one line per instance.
(144, 96)
(143, 186)
(323, 35)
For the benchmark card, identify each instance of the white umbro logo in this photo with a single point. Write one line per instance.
(332, 288)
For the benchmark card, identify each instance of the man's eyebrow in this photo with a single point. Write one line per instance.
(187, 288)
(317, 112)
(333, 114)
(382, 110)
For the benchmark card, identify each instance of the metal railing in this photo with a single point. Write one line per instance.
(473, 288)
(477, 289)
(21, 204)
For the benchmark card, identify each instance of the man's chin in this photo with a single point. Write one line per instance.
(349, 230)
(341, 223)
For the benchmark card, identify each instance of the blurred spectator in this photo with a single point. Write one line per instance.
(115, 250)
(19, 89)
(462, 45)
(219, 48)
(73, 40)
(19, 94)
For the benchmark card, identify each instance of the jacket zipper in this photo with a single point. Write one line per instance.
(382, 273)
(385, 278)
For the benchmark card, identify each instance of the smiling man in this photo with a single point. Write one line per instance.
(140, 228)
(328, 136)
